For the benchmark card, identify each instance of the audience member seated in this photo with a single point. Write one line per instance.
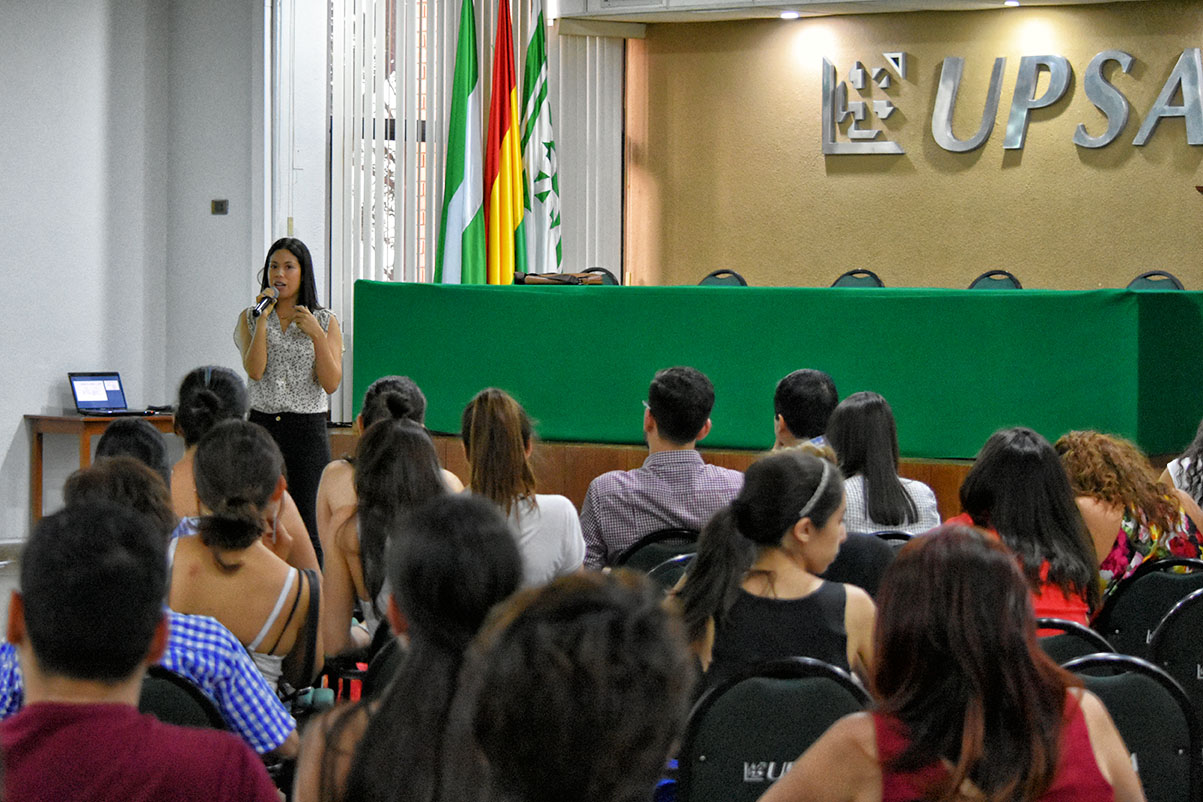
(387, 397)
(208, 396)
(198, 648)
(865, 439)
(674, 488)
(86, 623)
(1132, 516)
(968, 706)
(498, 440)
(227, 572)
(448, 564)
(574, 691)
(396, 469)
(1185, 474)
(770, 603)
(137, 438)
(1017, 491)
(802, 405)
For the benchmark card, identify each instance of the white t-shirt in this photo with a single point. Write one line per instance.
(548, 533)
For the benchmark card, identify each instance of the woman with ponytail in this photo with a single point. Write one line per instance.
(448, 563)
(754, 592)
(969, 708)
(209, 395)
(227, 571)
(396, 469)
(498, 440)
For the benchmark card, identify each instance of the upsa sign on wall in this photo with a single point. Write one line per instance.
(863, 137)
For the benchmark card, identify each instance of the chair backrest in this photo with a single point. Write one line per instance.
(1178, 647)
(173, 699)
(858, 278)
(723, 276)
(861, 561)
(1072, 639)
(744, 733)
(382, 668)
(652, 549)
(667, 574)
(1155, 280)
(1140, 601)
(606, 275)
(1155, 718)
(996, 280)
(894, 537)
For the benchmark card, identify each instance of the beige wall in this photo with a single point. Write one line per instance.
(725, 169)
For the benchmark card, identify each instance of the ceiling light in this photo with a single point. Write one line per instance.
(1011, 3)
(790, 15)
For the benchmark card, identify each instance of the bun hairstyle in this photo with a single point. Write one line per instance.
(209, 395)
(393, 397)
(237, 467)
(781, 489)
(496, 432)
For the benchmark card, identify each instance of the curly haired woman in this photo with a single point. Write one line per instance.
(1132, 516)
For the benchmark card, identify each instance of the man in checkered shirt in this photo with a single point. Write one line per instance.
(674, 488)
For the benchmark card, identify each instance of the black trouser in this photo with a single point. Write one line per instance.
(305, 445)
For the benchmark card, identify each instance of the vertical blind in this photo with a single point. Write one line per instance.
(392, 66)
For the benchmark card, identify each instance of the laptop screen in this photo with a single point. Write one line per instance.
(97, 391)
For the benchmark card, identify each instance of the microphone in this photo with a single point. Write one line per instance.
(265, 302)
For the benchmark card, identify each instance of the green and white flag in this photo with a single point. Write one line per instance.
(461, 254)
(542, 223)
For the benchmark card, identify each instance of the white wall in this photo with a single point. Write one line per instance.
(82, 236)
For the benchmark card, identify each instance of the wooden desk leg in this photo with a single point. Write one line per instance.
(35, 478)
(85, 447)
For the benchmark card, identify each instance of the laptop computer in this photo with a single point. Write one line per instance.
(100, 393)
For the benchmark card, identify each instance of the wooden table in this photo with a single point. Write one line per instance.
(84, 428)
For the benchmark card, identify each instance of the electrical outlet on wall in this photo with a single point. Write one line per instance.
(219, 207)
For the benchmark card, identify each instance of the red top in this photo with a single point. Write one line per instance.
(55, 751)
(1049, 600)
(1078, 778)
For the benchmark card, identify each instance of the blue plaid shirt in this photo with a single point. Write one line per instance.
(206, 653)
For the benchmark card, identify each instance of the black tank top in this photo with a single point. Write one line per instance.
(758, 629)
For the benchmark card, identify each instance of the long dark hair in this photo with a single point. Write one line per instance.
(450, 561)
(496, 432)
(1192, 474)
(207, 396)
(396, 469)
(775, 489)
(574, 690)
(958, 664)
(863, 434)
(307, 296)
(1018, 487)
(238, 466)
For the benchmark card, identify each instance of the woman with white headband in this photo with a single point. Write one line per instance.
(754, 592)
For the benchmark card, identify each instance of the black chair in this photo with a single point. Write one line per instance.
(667, 574)
(895, 537)
(1178, 647)
(173, 699)
(382, 668)
(1140, 601)
(858, 278)
(1155, 718)
(996, 280)
(861, 561)
(744, 733)
(606, 276)
(1155, 280)
(1073, 639)
(650, 550)
(723, 277)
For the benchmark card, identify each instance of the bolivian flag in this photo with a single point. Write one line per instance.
(505, 240)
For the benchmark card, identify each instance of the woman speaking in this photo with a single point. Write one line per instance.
(292, 351)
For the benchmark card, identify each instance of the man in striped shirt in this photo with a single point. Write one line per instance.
(674, 487)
